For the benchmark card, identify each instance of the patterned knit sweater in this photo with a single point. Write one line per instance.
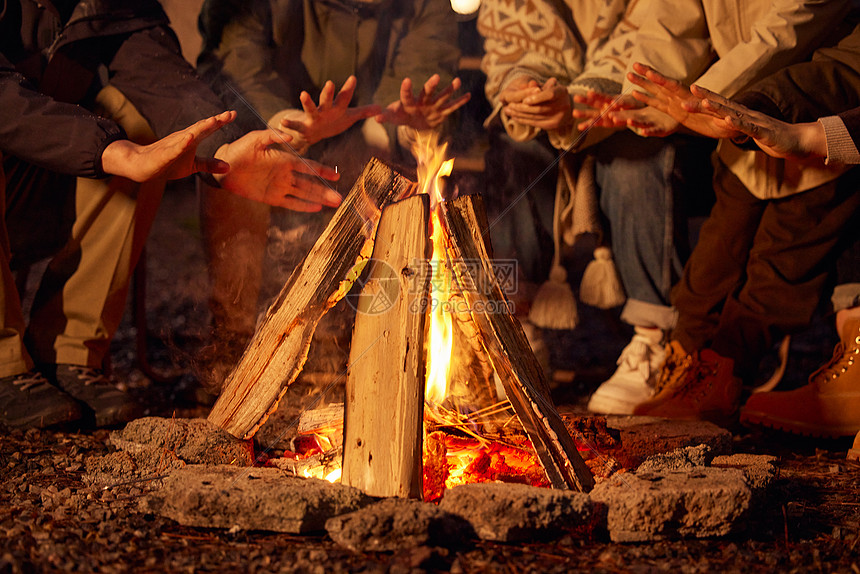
(584, 44)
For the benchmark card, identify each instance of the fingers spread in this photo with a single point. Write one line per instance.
(327, 95)
(293, 125)
(456, 104)
(311, 189)
(430, 86)
(344, 96)
(308, 105)
(310, 167)
(206, 127)
(406, 96)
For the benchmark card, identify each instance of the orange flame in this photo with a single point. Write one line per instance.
(441, 331)
(432, 167)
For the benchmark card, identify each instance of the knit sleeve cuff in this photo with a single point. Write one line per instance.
(840, 146)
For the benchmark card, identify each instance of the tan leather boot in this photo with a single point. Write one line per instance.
(698, 385)
(828, 406)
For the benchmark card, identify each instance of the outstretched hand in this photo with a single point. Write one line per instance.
(171, 157)
(776, 138)
(546, 106)
(599, 110)
(518, 90)
(262, 168)
(709, 114)
(426, 111)
(674, 99)
(333, 114)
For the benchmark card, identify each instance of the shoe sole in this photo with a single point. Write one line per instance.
(42, 422)
(795, 427)
(606, 406)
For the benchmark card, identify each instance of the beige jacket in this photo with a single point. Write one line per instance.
(725, 46)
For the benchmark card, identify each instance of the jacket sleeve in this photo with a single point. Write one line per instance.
(607, 56)
(675, 40)
(60, 137)
(238, 58)
(149, 70)
(842, 136)
(851, 119)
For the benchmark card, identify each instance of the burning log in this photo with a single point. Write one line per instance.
(473, 375)
(509, 350)
(385, 381)
(279, 348)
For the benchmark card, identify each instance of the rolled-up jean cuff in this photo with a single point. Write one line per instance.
(846, 296)
(644, 314)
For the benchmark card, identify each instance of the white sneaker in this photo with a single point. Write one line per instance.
(633, 381)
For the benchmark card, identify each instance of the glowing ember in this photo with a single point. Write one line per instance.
(453, 460)
(316, 453)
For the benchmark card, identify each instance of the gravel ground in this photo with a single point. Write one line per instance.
(52, 520)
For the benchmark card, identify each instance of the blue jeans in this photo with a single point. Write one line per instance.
(648, 189)
(520, 202)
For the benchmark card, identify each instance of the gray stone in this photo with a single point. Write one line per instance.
(686, 458)
(642, 437)
(250, 499)
(193, 441)
(698, 503)
(516, 512)
(759, 469)
(397, 523)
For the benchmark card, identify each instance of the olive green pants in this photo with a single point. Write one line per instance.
(81, 298)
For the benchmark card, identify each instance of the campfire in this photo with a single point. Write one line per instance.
(442, 387)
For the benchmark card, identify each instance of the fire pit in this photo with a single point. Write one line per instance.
(430, 288)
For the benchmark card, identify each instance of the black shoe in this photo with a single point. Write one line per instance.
(109, 405)
(29, 400)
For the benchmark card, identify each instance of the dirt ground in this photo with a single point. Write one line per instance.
(51, 520)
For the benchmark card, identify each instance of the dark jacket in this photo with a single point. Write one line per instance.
(270, 50)
(852, 122)
(55, 56)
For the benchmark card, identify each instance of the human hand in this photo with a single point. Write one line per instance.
(333, 114)
(171, 157)
(597, 109)
(518, 90)
(265, 170)
(622, 111)
(776, 138)
(547, 108)
(675, 100)
(428, 110)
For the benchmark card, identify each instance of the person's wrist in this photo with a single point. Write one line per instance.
(117, 156)
(813, 139)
